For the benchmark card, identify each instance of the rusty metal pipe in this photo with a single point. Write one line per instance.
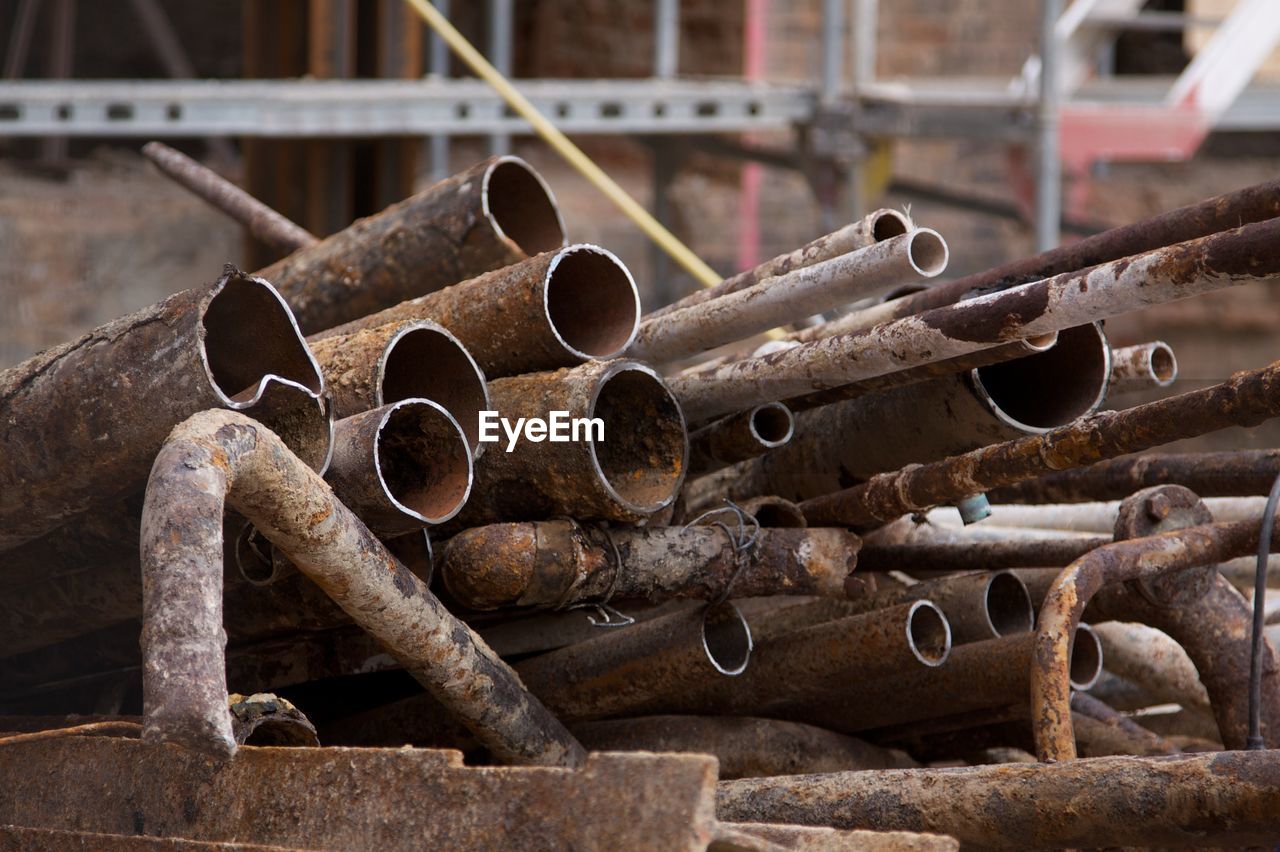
(1146, 365)
(978, 606)
(401, 467)
(1222, 474)
(918, 254)
(746, 747)
(634, 670)
(876, 226)
(409, 360)
(1245, 399)
(738, 437)
(628, 469)
(1101, 517)
(496, 213)
(83, 420)
(771, 511)
(1154, 661)
(1222, 799)
(555, 309)
(222, 457)
(561, 563)
(1102, 731)
(1227, 259)
(975, 555)
(257, 218)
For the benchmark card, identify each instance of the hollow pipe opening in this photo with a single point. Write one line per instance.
(726, 638)
(249, 334)
(1086, 658)
(887, 224)
(425, 361)
(592, 302)
(1163, 364)
(928, 633)
(1008, 605)
(1050, 388)
(772, 424)
(927, 251)
(423, 460)
(520, 206)
(775, 513)
(643, 452)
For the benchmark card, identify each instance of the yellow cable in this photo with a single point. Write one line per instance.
(667, 241)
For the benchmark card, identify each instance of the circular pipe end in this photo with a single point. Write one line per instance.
(928, 252)
(726, 638)
(423, 461)
(521, 208)
(1163, 364)
(1008, 605)
(1086, 658)
(772, 424)
(928, 633)
(591, 302)
(887, 224)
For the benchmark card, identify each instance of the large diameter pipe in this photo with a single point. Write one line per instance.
(1232, 210)
(419, 359)
(978, 606)
(1223, 799)
(1227, 259)
(401, 467)
(875, 227)
(556, 309)
(738, 437)
(219, 458)
(1246, 399)
(919, 254)
(562, 563)
(1154, 661)
(494, 214)
(1146, 365)
(624, 467)
(82, 421)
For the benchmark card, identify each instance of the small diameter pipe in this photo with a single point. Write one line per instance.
(921, 253)
(739, 437)
(1147, 365)
(978, 606)
(1228, 259)
(875, 227)
(560, 563)
(974, 555)
(418, 359)
(556, 309)
(492, 215)
(219, 458)
(401, 467)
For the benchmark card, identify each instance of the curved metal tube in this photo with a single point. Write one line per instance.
(217, 458)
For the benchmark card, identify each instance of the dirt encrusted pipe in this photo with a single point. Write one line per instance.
(555, 309)
(217, 459)
(418, 359)
(739, 437)
(82, 421)
(1146, 365)
(494, 214)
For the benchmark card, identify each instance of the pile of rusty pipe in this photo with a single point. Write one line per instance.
(1227, 259)
(738, 437)
(555, 309)
(980, 676)
(746, 747)
(1225, 800)
(1246, 399)
(639, 669)
(560, 563)
(418, 359)
(981, 605)
(1244, 207)
(875, 227)
(260, 220)
(632, 470)
(1143, 366)
(853, 440)
(83, 420)
(217, 458)
(1117, 563)
(1220, 474)
(918, 254)
(401, 467)
(492, 215)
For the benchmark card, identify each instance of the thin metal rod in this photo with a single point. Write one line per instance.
(1048, 158)
(439, 67)
(501, 24)
(15, 57)
(1254, 740)
(666, 38)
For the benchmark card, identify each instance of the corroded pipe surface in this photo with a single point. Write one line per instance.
(975, 555)
(218, 458)
(1246, 399)
(82, 421)
(739, 437)
(494, 214)
(918, 254)
(555, 309)
(1226, 799)
(983, 605)
(415, 359)
(1150, 658)
(1102, 731)
(1146, 365)
(559, 563)
(1222, 260)
(878, 225)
